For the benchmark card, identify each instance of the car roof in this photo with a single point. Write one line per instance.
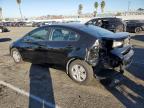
(68, 25)
(88, 29)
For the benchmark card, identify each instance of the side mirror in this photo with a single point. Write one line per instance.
(27, 39)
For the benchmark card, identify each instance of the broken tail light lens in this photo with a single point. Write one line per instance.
(117, 44)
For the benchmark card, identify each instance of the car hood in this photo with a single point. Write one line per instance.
(116, 36)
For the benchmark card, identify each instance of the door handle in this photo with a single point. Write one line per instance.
(69, 46)
(41, 46)
(29, 48)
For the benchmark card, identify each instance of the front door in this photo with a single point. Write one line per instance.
(34, 45)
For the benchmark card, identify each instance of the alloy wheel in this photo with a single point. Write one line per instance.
(79, 73)
(16, 56)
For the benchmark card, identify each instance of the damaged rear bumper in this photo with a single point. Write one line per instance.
(124, 54)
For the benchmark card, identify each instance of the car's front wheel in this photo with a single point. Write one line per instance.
(16, 55)
(81, 72)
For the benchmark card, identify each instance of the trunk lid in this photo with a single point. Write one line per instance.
(115, 36)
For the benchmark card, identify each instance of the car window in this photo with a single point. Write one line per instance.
(61, 34)
(96, 22)
(40, 34)
(92, 22)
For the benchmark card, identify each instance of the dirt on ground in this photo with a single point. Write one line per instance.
(52, 84)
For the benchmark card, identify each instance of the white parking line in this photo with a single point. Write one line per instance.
(28, 95)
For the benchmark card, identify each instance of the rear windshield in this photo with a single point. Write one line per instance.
(96, 31)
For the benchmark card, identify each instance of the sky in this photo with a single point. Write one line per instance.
(63, 7)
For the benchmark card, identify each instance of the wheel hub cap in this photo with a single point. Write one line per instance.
(78, 73)
(16, 56)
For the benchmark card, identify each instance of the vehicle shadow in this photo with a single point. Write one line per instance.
(5, 39)
(139, 37)
(41, 86)
(137, 66)
(128, 92)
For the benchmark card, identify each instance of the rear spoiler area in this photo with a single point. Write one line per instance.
(116, 36)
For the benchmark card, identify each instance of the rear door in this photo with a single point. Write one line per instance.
(61, 43)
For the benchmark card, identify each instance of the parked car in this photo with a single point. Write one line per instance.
(73, 21)
(6, 24)
(83, 49)
(20, 24)
(3, 29)
(29, 24)
(36, 24)
(135, 25)
(47, 23)
(111, 23)
(12, 24)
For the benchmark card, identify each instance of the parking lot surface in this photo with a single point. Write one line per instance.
(28, 85)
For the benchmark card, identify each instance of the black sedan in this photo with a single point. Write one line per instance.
(83, 49)
(110, 23)
(135, 26)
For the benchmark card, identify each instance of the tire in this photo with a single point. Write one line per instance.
(85, 75)
(16, 55)
(138, 29)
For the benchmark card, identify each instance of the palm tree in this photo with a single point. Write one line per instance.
(102, 6)
(96, 7)
(19, 2)
(0, 13)
(80, 7)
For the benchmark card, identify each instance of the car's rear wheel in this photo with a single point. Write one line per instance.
(81, 72)
(16, 55)
(138, 29)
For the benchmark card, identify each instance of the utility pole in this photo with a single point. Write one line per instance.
(129, 3)
(0, 13)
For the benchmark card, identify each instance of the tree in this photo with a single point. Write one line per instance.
(7, 19)
(96, 7)
(80, 7)
(19, 2)
(102, 6)
(118, 14)
(140, 9)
